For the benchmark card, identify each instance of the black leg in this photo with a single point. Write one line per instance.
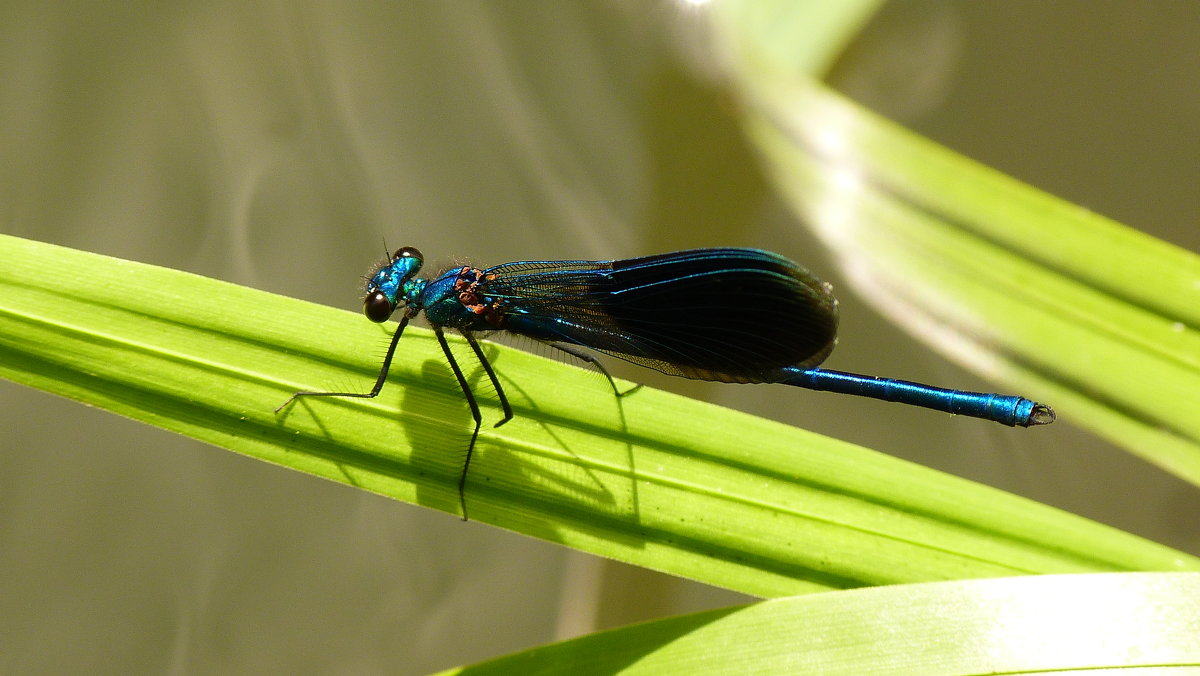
(466, 388)
(387, 363)
(487, 368)
(594, 361)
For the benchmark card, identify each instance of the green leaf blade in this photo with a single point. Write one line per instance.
(652, 478)
(1062, 623)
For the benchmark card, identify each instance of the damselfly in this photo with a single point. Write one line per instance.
(730, 315)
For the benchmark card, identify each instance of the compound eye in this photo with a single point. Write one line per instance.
(408, 252)
(377, 307)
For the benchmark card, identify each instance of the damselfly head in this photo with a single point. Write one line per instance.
(390, 285)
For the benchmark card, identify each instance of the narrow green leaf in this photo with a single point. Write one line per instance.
(807, 36)
(653, 479)
(1031, 625)
(1048, 298)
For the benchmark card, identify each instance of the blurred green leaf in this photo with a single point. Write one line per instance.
(1032, 625)
(1057, 302)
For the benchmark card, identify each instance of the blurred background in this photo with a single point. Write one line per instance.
(278, 145)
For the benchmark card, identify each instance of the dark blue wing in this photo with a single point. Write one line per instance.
(736, 315)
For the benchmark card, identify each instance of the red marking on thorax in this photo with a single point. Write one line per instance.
(467, 287)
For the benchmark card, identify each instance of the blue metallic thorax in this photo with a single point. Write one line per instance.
(442, 305)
